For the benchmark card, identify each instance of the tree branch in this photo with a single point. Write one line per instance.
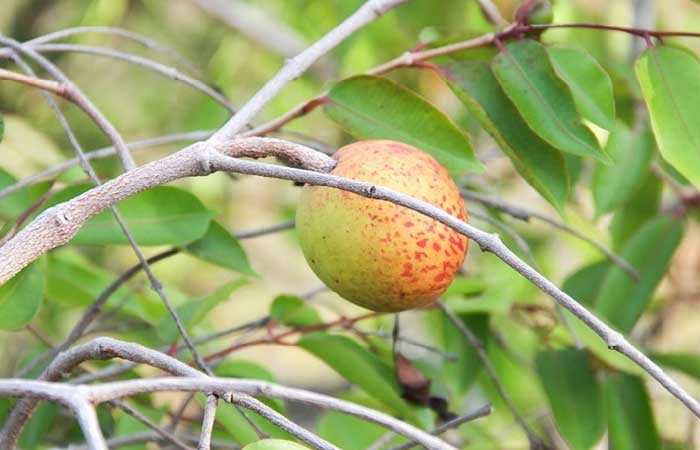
(367, 13)
(57, 225)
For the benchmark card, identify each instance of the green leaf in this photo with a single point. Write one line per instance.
(526, 75)
(688, 363)
(630, 418)
(334, 427)
(21, 297)
(540, 164)
(220, 247)
(461, 374)
(38, 427)
(356, 364)
(376, 108)
(163, 215)
(196, 310)
(621, 299)
(589, 83)
(670, 81)
(574, 394)
(274, 444)
(584, 284)
(293, 311)
(615, 183)
(14, 204)
(465, 287)
(643, 205)
(73, 281)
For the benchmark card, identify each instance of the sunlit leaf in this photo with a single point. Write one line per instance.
(630, 418)
(220, 247)
(670, 81)
(525, 73)
(163, 215)
(622, 299)
(589, 83)
(539, 163)
(21, 297)
(293, 311)
(613, 184)
(376, 108)
(577, 401)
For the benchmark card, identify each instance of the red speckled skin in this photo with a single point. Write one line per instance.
(376, 254)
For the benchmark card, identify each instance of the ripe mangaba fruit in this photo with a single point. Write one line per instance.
(373, 253)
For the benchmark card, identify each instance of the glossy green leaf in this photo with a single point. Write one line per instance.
(376, 108)
(274, 444)
(630, 418)
(539, 163)
(642, 207)
(356, 364)
(293, 311)
(589, 83)
(220, 247)
(574, 394)
(688, 363)
(670, 81)
(21, 297)
(525, 73)
(195, 310)
(163, 215)
(614, 184)
(335, 427)
(621, 299)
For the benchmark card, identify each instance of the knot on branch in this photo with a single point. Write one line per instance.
(294, 154)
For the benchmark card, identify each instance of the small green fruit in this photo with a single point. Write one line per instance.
(376, 254)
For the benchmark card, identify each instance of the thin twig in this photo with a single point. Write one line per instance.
(518, 212)
(145, 41)
(476, 344)
(161, 69)
(75, 95)
(454, 423)
(208, 419)
(294, 67)
(491, 12)
(47, 85)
